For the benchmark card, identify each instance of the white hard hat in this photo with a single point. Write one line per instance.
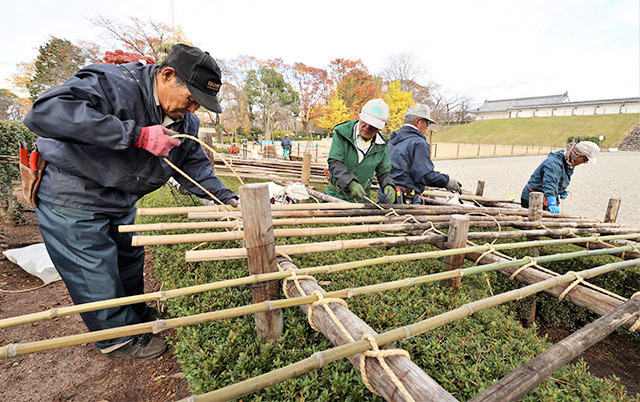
(588, 149)
(421, 110)
(375, 113)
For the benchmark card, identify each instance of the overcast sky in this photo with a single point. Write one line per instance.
(486, 49)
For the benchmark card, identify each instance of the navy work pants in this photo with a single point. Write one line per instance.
(95, 261)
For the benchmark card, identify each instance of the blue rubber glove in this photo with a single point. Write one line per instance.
(564, 194)
(552, 204)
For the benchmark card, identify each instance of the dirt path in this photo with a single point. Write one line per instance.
(78, 373)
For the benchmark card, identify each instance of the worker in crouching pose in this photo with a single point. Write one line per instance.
(411, 166)
(358, 151)
(553, 175)
(103, 134)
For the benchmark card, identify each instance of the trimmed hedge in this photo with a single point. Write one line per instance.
(465, 357)
(11, 132)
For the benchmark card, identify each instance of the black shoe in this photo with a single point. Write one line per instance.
(142, 347)
(151, 314)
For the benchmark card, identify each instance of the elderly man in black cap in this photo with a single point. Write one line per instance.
(102, 134)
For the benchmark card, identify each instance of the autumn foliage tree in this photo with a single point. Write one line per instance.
(398, 101)
(314, 88)
(354, 84)
(121, 57)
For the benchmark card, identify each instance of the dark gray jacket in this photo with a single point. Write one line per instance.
(411, 165)
(87, 129)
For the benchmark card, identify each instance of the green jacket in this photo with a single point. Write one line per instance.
(344, 166)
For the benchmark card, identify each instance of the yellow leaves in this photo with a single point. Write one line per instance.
(398, 101)
(334, 113)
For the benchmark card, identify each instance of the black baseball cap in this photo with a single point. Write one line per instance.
(199, 71)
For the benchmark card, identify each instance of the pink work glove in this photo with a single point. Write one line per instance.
(155, 140)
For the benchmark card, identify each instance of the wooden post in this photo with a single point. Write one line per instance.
(495, 145)
(612, 210)
(512, 146)
(306, 168)
(419, 385)
(480, 188)
(457, 237)
(458, 150)
(435, 151)
(529, 375)
(535, 215)
(316, 152)
(430, 144)
(478, 154)
(261, 255)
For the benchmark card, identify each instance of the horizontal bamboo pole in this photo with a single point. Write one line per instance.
(163, 295)
(502, 220)
(216, 208)
(307, 248)
(253, 279)
(465, 197)
(12, 350)
(368, 209)
(336, 230)
(529, 375)
(322, 358)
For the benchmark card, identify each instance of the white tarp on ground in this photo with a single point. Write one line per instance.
(35, 260)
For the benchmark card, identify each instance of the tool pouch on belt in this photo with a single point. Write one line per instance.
(31, 167)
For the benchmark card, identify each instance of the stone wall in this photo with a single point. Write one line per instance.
(632, 141)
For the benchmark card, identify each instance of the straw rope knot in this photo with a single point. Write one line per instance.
(489, 251)
(572, 285)
(380, 355)
(296, 280)
(324, 302)
(532, 262)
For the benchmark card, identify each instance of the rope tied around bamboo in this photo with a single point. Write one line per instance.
(375, 352)
(380, 355)
(532, 262)
(572, 285)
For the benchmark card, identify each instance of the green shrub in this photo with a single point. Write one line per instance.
(595, 139)
(11, 132)
(465, 356)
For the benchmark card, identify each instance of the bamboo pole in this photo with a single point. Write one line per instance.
(253, 279)
(593, 300)
(216, 208)
(612, 210)
(529, 375)
(467, 197)
(503, 220)
(318, 247)
(320, 359)
(416, 382)
(261, 256)
(12, 350)
(323, 196)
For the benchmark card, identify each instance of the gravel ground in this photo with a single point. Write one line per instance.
(616, 175)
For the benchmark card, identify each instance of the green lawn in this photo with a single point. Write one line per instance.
(545, 130)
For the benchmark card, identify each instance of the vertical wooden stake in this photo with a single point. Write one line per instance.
(612, 210)
(458, 229)
(480, 188)
(535, 214)
(261, 255)
(306, 168)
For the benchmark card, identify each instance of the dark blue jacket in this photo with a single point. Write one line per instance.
(411, 165)
(286, 142)
(552, 177)
(87, 129)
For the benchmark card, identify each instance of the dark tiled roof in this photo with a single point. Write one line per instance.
(518, 103)
(584, 103)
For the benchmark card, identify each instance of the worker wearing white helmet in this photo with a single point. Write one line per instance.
(553, 175)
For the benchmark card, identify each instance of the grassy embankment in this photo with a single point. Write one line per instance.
(465, 357)
(545, 130)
